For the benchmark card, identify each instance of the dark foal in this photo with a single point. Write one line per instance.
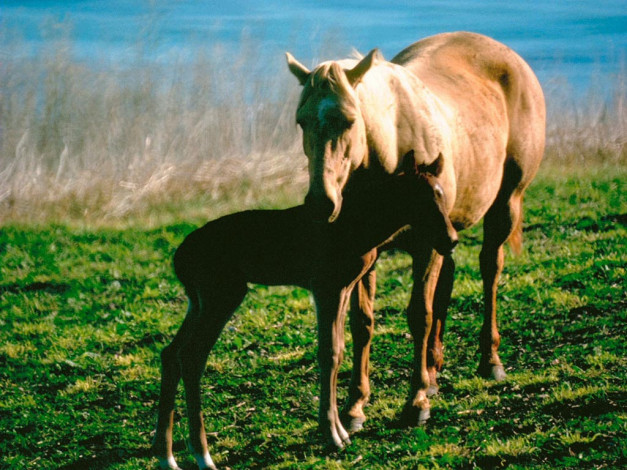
(279, 247)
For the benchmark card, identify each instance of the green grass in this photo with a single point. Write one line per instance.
(85, 311)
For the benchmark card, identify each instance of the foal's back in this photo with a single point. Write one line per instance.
(278, 247)
(270, 247)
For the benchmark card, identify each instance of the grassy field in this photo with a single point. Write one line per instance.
(85, 311)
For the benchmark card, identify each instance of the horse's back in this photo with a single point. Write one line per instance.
(445, 61)
(484, 80)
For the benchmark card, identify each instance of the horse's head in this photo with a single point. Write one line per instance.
(334, 135)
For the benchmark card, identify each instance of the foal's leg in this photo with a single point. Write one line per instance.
(216, 308)
(170, 377)
(503, 218)
(362, 327)
(331, 306)
(441, 300)
(427, 264)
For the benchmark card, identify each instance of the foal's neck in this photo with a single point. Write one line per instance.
(370, 218)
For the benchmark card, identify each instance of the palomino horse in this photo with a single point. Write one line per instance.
(216, 262)
(461, 95)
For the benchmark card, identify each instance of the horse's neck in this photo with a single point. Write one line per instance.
(398, 112)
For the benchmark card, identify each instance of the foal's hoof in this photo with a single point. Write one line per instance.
(336, 437)
(168, 463)
(335, 445)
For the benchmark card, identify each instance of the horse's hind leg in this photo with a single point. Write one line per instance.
(441, 300)
(362, 327)
(216, 307)
(502, 221)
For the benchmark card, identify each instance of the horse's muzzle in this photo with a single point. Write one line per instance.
(322, 209)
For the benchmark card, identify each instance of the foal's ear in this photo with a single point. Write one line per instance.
(434, 168)
(298, 70)
(355, 74)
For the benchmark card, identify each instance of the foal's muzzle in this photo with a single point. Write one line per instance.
(447, 245)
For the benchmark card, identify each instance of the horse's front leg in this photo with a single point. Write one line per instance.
(331, 306)
(427, 264)
(362, 328)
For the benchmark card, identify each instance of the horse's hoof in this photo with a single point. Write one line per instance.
(356, 424)
(423, 417)
(498, 373)
(352, 423)
(432, 390)
(412, 417)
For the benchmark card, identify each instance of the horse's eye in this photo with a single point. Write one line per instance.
(339, 122)
(438, 192)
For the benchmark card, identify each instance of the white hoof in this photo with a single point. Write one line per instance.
(205, 462)
(498, 373)
(356, 424)
(424, 416)
(168, 463)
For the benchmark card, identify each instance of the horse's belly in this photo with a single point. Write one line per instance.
(478, 181)
(469, 209)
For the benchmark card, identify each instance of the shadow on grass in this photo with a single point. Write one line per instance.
(49, 287)
(108, 457)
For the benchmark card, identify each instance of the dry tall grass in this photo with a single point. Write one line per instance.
(588, 128)
(106, 142)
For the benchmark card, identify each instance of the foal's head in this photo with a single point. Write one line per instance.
(427, 204)
(334, 135)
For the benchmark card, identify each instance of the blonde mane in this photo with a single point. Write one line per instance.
(332, 77)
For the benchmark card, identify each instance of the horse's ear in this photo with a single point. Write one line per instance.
(298, 70)
(355, 74)
(434, 168)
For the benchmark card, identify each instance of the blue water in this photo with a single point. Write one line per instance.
(573, 40)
